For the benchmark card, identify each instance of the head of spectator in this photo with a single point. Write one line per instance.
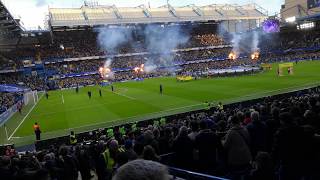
(113, 145)
(286, 119)
(149, 153)
(128, 145)
(142, 170)
(183, 131)
(234, 121)
(156, 133)
(255, 116)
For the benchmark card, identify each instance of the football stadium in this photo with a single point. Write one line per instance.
(214, 91)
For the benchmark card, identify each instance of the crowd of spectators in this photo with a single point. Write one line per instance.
(275, 138)
(79, 81)
(6, 101)
(32, 82)
(84, 44)
(210, 40)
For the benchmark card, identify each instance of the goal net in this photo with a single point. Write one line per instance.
(285, 67)
(30, 97)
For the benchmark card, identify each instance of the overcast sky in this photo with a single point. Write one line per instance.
(33, 12)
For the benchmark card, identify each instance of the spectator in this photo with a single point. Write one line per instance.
(263, 167)
(183, 148)
(237, 146)
(258, 134)
(194, 130)
(150, 154)
(287, 148)
(208, 144)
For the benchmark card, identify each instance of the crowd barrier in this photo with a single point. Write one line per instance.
(4, 117)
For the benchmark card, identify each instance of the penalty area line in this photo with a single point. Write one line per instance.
(25, 117)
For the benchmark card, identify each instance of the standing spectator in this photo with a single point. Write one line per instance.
(183, 148)
(165, 142)
(68, 164)
(237, 146)
(258, 134)
(263, 167)
(287, 148)
(110, 155)
(194, 130)
(150, 154)
(208, 144)
(128, 154)
(10, 151)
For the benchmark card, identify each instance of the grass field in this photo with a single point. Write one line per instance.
(132, 101)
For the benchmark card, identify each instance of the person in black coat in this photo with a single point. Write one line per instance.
(258, 132)
(208, 145)
(183, 149)
(263, 167)
(288, 148)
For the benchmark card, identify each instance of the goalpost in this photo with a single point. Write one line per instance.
(285, 66)
(30, 97)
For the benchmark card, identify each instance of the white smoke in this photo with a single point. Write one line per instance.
(236, 38)
(255, 42)
(162, 40)
(149, 67)
(110, 39)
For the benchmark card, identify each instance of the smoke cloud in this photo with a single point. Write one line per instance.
(236, 38)
(161, 41)
(111, 38)
(255, 42)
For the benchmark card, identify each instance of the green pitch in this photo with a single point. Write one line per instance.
(65, 110)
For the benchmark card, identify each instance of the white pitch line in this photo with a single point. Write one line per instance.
(62, 99)
(119, 94)
(15, 130)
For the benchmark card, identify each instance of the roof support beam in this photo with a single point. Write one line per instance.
(172, 10)
(116, 12)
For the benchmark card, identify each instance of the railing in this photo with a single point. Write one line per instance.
(189, 175)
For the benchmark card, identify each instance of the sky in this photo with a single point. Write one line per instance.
(33, 12)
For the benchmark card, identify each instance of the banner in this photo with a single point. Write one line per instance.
(11, 88)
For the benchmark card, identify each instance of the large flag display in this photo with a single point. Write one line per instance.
(313, 4)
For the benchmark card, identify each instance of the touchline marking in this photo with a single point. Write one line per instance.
(15, 130)
(129, 97)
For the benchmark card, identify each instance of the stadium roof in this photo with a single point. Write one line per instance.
(8, 24)
(111, 15)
